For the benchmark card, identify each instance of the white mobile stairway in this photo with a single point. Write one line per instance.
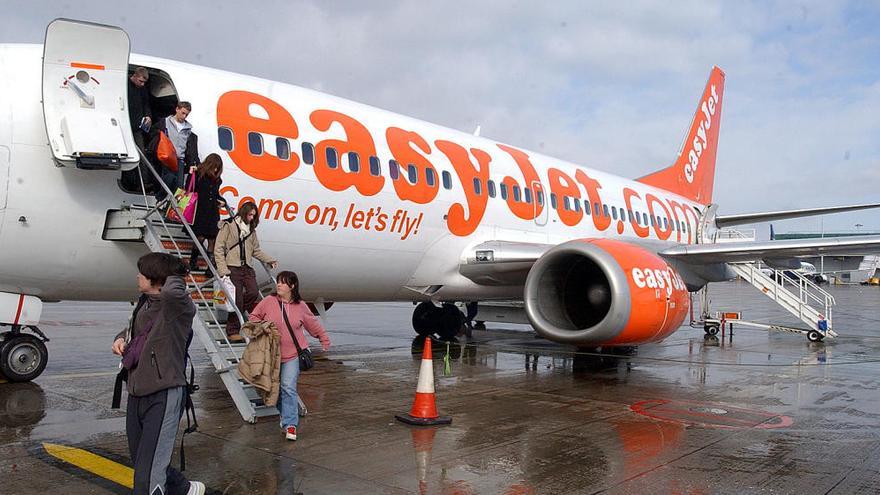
(144, 223)
(796, 294)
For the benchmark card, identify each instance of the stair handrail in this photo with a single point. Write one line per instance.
(172, 204)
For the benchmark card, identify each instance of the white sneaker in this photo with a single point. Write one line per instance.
(290, 434)
(196, 488)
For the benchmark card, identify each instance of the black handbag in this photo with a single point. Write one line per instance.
(306, 361)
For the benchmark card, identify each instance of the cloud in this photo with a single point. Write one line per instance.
(611, 86)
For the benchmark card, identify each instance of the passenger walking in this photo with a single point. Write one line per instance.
(185, 141)
(234, 250)
(154, 353)
(286, 309)
(205, 224)
(139, 112)
(140, 118)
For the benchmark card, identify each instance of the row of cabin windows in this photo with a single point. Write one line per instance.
(282, 151)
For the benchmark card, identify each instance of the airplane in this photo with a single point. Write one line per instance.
(365, 204)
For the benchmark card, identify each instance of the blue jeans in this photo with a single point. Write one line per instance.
(288, 403)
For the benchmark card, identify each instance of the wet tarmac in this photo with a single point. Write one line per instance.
(752, 412)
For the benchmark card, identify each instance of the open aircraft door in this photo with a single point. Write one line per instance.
(85, 95)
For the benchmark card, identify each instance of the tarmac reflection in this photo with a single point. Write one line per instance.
(21, 404)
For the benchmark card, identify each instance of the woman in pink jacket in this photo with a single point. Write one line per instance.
(287, 299)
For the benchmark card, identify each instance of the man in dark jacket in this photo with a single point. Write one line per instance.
(140, 117)
(139, 113)
(157, 382)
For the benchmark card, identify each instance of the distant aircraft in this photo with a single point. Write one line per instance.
(365, 204)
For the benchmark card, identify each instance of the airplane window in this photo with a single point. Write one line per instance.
(354, 162)
(577, 204)
(614, 212)
(503, 191)
(375, 169)
(282, 148)
(541, 198)
(478, 186)
(605, 209)
(255, 143)
(517, 196)
(586, 207)
(332, 158)
(430, 176)
(596, 208)
(528, 195)
(629, 214)
(308, 152)
(665, 223)
(566, 204)
(413, 173)
(447, 179)
(553, 203)
(491, 187)
(393, 169)
(224, 137)
(653, 223)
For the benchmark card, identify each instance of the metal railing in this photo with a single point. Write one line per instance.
(214, 274)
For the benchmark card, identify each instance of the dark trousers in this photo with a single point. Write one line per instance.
(151, 425)
(246, 295)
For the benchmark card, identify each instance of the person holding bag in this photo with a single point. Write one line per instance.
(286, 309)
(207, 216)
(234, 249)
(174, 133)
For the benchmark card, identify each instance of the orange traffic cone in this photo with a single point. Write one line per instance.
(424, 411)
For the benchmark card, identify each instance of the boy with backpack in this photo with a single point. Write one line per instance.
(154, 354)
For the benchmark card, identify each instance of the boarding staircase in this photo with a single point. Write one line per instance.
(791, 290)
(146, 223)
(794, 292)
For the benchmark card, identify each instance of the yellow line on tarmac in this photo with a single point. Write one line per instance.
(93, 463)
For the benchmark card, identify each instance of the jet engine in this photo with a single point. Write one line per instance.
(604, 292)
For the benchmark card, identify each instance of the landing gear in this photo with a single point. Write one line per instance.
(22, 356)
(444, 321)
(815, 336)
(711, 328)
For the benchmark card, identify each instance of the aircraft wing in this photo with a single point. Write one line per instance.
(752, 251)
(771, 216)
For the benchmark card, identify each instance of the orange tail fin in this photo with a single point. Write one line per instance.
(693, 173)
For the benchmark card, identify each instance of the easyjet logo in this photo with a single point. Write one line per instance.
(653, 278)
(260, 137)
(700, 141)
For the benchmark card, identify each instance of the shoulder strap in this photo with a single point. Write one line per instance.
(292, 336)
(241, 239)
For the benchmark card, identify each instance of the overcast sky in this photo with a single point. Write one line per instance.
(608, 87)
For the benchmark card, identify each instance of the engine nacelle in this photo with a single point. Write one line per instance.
(604, 292)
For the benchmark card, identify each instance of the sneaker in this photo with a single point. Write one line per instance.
(196, 488)
(290, 434)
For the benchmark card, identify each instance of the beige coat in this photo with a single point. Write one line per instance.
(226, 255)
(260, 364)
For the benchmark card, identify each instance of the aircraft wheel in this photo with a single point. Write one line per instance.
(23, 357)
(425, 318)
(815, 336)
(711, 329)
(479, 325)
(451, 321)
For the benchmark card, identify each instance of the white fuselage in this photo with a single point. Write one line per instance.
(52, 218)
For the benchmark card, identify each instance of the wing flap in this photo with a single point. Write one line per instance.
(772, 216)
(752, 251)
